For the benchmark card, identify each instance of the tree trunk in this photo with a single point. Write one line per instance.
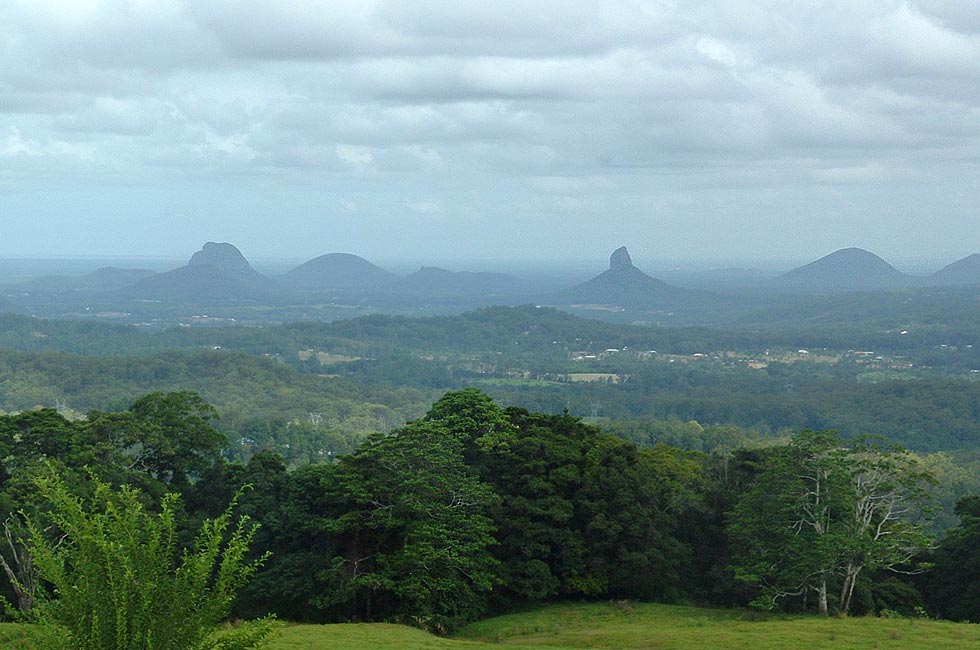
(850, 579)
(822, 598)
(21, 576)
(845, 588)
(25, 600)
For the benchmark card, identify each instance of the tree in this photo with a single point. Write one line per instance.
(820, 513)
(413, 535)
(119, 581)
(952, 589)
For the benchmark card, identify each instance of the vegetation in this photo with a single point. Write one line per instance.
(475, 509)
(116, 580)
(634, 463)
(821, 512)
(619, 625)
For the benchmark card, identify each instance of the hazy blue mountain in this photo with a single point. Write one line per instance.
(230, 262)
(433, 281)
(191, 284)
(217, 272)
(106, 278)
(960, 273)
(849, 269)
(338, 271)
(624, 285)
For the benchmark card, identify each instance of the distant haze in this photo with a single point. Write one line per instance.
(508, 130)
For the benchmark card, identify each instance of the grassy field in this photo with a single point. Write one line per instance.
(622, 626)
(635, 626)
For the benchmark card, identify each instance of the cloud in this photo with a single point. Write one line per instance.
(426, 207)
(562, 105)
(358, 157)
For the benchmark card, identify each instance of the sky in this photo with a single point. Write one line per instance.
(510, 129)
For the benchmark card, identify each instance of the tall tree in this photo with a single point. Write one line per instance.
(414, 536)
(820, 512)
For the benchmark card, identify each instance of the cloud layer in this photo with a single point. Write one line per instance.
(695, 129)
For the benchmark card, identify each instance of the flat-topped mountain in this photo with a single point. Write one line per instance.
(105, 278)
(112, 277)
(962, 272)
(624, 285)
(338, 271)
(849, 269)
(433, 281)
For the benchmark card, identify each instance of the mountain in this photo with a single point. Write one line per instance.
(338, 271)
(623, 285)
(191, 284)
(960, 273)
(230, 262)
(433, 281)
(106, 278)
(218, 272)
(112, 277)
(849, 269)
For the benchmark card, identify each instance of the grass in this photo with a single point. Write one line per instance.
(623, 626)
(636, 625)
(21, 637)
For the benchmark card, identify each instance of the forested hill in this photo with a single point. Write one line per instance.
(261, 403)
(526, 328)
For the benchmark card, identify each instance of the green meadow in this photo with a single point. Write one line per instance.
(623, 626)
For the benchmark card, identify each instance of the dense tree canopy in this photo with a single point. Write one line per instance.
(474, 508)
(821, 512)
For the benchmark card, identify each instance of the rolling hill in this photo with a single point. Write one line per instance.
(845, 270)
(338, 271)
(964, 272)
(436, 282)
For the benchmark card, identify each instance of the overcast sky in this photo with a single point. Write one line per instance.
(518, 129)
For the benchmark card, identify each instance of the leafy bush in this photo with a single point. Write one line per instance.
(119, 580)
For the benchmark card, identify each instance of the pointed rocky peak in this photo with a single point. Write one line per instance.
(224, 257)
(620, 260)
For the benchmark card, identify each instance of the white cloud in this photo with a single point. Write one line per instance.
(357, 157)
(426, 207)
(16, 145)
(717, 51)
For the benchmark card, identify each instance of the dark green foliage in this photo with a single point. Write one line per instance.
(580, 513)
(475, 503)
(413, 537)
(952, 589)
(475, 508)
